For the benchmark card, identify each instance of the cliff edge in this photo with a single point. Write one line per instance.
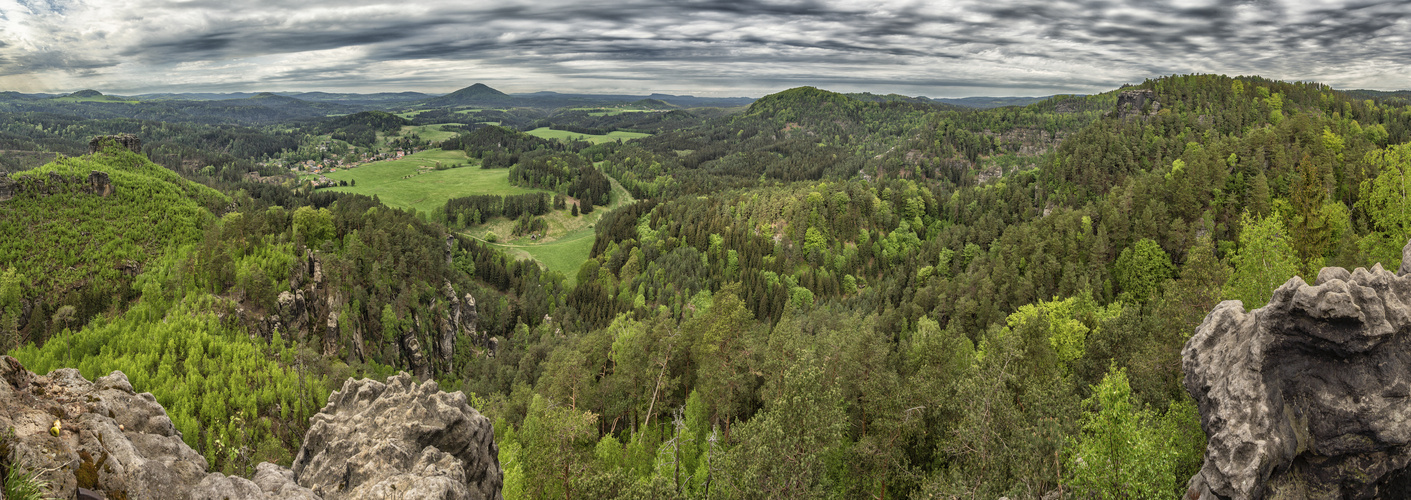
(1307, 397)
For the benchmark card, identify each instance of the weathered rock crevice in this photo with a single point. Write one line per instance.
(1306, 397)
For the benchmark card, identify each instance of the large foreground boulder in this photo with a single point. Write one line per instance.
(1310, 395)
(109, 438)
(399, 440)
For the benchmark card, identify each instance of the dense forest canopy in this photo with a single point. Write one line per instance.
(817, 295)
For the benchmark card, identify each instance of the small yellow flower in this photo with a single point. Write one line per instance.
(54, 431)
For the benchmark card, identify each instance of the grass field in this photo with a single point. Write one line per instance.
(432, 133)
(569, 239)
(616, 111)
(548, 133)
(411, 183)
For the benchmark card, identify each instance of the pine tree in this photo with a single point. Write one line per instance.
(1311, 232)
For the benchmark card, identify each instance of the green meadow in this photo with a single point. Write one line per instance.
(614, 111)
(431, 133)
(548, 133)
(412, 182)
(568, 241)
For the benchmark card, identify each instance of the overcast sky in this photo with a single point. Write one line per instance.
(702, 47)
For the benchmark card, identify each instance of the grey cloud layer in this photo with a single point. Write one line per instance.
(712, 46)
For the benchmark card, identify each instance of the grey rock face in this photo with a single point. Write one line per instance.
(470, 319)
(399, 440)
(129, 141)
(330, 334)
(1132, 102)
(7, 187)
(1405, 260)
(1306, 396)
(111, 439)
(450, 328)
(271, 482)
(99, 183)
(293, 313)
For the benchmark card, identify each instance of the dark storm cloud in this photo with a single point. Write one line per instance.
(752, 46)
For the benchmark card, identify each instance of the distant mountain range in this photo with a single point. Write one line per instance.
(478, 94)
(481, 95)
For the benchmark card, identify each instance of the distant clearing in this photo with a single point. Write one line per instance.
(568, 241)
(616, 111)
(548, 133)
(413, 183)
(431, 133)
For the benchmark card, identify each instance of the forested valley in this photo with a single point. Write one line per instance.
(816, 295)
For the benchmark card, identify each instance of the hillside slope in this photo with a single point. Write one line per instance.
(77, 231)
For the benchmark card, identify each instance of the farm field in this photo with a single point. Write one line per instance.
(548, 133)
(412, 182)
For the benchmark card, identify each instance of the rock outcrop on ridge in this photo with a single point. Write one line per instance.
(399, 440)
(372, 440)
(1307, 397)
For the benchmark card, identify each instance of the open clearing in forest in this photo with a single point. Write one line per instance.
(548, 133)
(569, 238)
(412, 182)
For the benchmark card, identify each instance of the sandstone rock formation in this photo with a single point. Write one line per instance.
(111, 440)
(1137, 102)
(7, 187)
(293, 313)
(399, 440)
(1306, 397)
(271, 482)
(129, 141)
(372, 440)
(99, 183)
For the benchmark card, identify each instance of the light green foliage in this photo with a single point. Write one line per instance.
(1333, 142)
(212, 380)
(511, 462)
(1142, 269)
(23, 485)
(1128, 452)
(1065, 322)
(1178, 169)
(1387, 200)
(781, 451)
(724, 348)
(555, 447)
(70, 240)
(11, 291)
(1264, 261)
(314, 225)
(814, 241)
(391, 325)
